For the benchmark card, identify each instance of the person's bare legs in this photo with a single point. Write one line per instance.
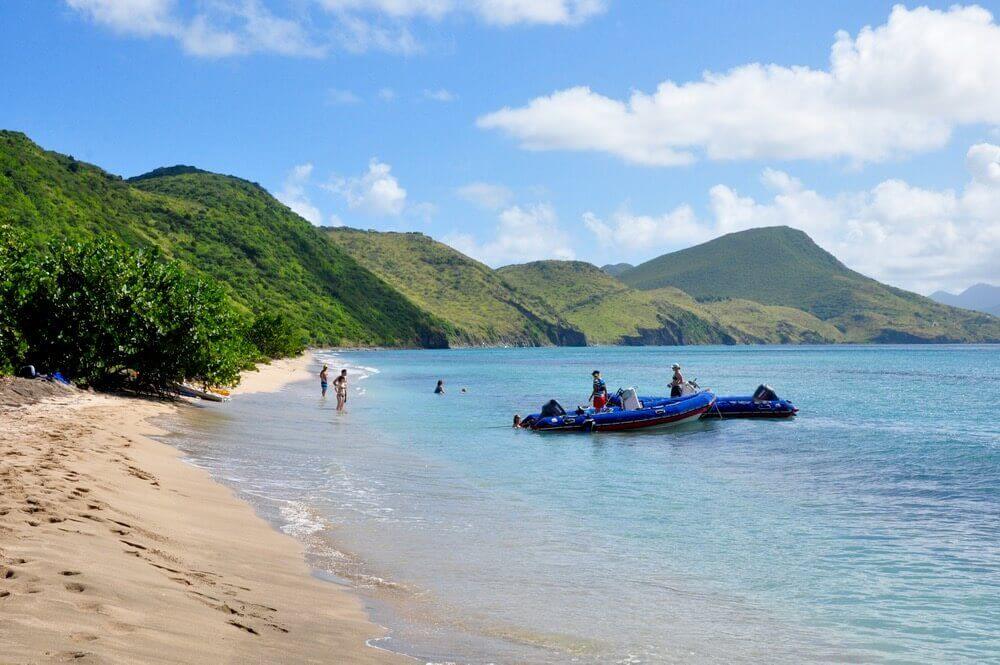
(341, 401)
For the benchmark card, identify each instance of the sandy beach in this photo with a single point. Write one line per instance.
(113, 550)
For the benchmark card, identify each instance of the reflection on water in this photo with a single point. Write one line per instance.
(863, 531)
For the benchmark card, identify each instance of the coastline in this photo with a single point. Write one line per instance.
(113, 550)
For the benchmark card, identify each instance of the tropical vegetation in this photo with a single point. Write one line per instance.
(105, 315)
(184, 274)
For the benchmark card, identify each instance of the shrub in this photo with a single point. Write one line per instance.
(274, 336)
(98, 312)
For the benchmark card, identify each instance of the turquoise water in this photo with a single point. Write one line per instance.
(866, 530)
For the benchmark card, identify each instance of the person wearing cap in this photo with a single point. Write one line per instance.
(678, 381)
(599, 395)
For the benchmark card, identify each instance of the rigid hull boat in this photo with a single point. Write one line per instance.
(631, 414)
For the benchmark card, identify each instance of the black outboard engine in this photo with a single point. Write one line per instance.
(552, 408)
(764, 393)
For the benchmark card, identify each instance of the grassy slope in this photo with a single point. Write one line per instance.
(223, 227)
(784, 267)
(610, 312)
(476, 303)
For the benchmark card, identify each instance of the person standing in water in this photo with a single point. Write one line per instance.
(322, 379)
(599, 395)
(439, 389)
(340, 385)
(677, 383)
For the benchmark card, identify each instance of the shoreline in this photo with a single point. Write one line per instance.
(114, 550)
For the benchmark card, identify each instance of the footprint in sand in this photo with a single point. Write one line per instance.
(83, 637)
(243, 627)
(75, 587)
(69, 573)
(72, 656)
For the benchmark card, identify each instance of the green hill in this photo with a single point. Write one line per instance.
(477, 305)
(780, 266)
(231, 230)
(610, 312)
(616, 269)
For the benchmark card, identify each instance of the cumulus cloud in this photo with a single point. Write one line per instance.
(983, 161)
(387, 94)
(293, 194)
(921, 239)
(486, 195)
(376, 192)
(527, 233)
(896, 89)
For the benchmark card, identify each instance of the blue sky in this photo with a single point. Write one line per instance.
(389, 114)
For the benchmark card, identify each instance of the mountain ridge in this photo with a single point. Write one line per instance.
(782, 266)
(369, 288)
(217, 226)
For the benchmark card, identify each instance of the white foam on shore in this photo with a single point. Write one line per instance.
(302, 522)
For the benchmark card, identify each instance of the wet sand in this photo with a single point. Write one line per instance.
(113, 550)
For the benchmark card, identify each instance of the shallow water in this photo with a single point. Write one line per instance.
(866, 530)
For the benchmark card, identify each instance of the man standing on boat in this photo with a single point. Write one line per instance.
(678, 381)
(599, 395)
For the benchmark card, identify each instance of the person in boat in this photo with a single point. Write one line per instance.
(599, 395)
(439, 389)
(340, 385)
(517, 421)
(677, 382)
(323, 375)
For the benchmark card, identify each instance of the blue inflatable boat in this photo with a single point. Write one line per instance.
(629, 413)
(764, 403)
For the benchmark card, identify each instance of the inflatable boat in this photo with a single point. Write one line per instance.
(629, 413)
(764, 403)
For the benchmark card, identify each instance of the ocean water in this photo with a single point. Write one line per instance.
(867, 530)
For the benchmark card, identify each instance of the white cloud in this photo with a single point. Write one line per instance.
(526, 233)
(983, 161)
(639, 233)
(293, 194)
(376, 192)
(387, 94)
(921, 239)
(338, 97)
(486, 195)
(220, 28)
(440, 95)
(217, 28)
(497, 12)
(357, 35)
(896, 89)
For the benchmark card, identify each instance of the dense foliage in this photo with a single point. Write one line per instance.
(274, 336)
(104, 314)
(258, 251)
(348, 287)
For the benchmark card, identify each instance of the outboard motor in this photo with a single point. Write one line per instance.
(552, 408)
(764, 393)
(630, 402)
(690, 388)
